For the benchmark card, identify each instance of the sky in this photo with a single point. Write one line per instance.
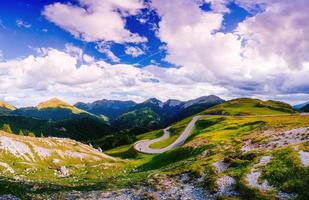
(85, 50)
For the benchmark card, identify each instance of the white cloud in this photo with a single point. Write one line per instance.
(281, 31)
(96, 20)
(272, 56)
(20, 23)
(105, 47)
(88, 58)
(56, 73)
(74, 51)
(134, 51)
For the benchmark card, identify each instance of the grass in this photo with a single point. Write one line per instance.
(127, 151)
(175, 131)
(286, 172)
(246, 106)
(57, 103)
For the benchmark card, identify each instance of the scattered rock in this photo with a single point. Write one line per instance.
(304, 157)
(254, 175)
(286, 196)
(8, 197)
(63, 172)
(278, 139)
(17, 148)
(220, 166)
(7, 167)
(226, 186)
(168, 188)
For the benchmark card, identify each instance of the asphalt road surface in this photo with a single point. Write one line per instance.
(143, 145)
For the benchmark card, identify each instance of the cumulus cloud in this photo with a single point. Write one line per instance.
(105, 48)
(22, 24)
(260, 58)
(96, 20)
(281, 31)
(57, 73)
(134, 51)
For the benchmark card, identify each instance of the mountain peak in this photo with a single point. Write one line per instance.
(153, 100)
(57, 103)
(53, 103)
(173, 102)
(6, 105)
(204, 99)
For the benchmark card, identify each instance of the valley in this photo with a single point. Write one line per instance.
(238, 149)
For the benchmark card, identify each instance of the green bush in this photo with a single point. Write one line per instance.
(7, 128)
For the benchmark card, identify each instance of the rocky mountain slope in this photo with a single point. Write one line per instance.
(50, 162)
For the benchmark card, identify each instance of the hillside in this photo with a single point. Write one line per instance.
(246, 106)
(6, 108)
(52, 163)
(139, 121)
(231, 157)
(305, 108)
(53, 109)
(154, 113)
(82, 129)
(299, 106)
(57, 103)
(108, 108)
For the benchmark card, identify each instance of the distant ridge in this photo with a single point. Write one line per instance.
(7, 105)
(301, 106)
(5, 108)
(57, 103)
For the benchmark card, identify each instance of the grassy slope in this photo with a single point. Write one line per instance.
(139, 121)
(95, 170)
(57, 103)
(6, 105)
(245, 106)
(175, 131)
(6, 108)
(242, 106)
(216, 138)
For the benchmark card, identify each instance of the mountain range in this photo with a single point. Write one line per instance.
(112, 122)
(151, 114)
(302, 107)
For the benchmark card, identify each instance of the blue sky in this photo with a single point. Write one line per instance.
(20, 41)
(83, 50)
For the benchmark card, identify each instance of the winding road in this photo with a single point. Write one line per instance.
(143, 145)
